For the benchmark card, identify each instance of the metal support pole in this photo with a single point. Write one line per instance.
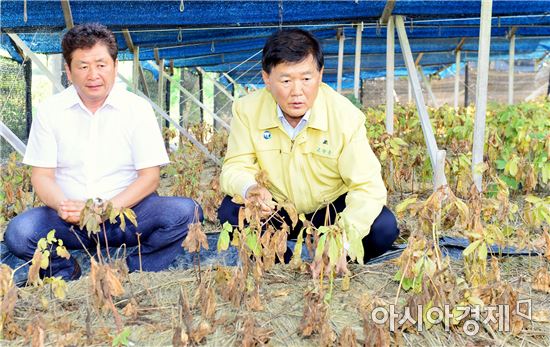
(457, 78)
(167, 100)
(160, 90)
(357, 71)
(194, 99)
(58, 87)
(135, 70)
(201, 94)
(390, 74)
(12, 139)
(428, 87)
(184, 132)
(181, 103)
(466, 84)
(511, 59)
(27, 69)
(481, 90)
(340, 60)
(217, 84)
(417, 91)
(439, 173)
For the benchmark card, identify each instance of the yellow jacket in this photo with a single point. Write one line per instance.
(329, 157)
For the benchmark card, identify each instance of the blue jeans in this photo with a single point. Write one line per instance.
(383, 231)
(162, 224)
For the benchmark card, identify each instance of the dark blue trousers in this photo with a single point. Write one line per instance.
(382, 234)
(162, 224)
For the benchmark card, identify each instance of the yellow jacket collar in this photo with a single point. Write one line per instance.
(317, 119)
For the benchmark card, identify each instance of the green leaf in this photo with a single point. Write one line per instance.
(482, 252)
(402, 206)
(297, 253)
(407, 283)
(533, 199)
(511, 182)
(223, 240)
(122, 221)
(501, 164)
(45, 261)
(122, 338)
(333, 251)
(51, 237)
(131, 215)
(252, 242)
(320, 247)
(471, 247)
(42, 244)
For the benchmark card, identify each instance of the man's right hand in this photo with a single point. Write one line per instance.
(263, 197)
(69, 210)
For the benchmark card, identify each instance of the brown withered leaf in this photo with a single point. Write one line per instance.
(279, 242)
(7, 305)
(130, 310)
(375, 334)
(348, 338)
(6, 282)
(541, 280)
(494, 275)
(254, 302)
(253, 335)
(34, 270)
(242, 217)
(195, 239)
(199, 333)
(262, 178)
(104, 284)
(208, 303)
(36, 331)
(112, 282)
(290, 209)
(180, 338)
(315, 314)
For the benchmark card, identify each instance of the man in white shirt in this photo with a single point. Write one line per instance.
(97, 140)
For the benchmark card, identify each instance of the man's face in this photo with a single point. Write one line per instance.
(294, 87)
(92, 73)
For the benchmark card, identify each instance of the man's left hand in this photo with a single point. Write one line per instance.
(69, 210)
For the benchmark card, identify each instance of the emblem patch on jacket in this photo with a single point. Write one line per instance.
(267, 135)
(324, 148)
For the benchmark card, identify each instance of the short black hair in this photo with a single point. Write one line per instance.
(86, 36)
(291, 46)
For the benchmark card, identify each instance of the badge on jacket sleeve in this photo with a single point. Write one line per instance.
(267, 134)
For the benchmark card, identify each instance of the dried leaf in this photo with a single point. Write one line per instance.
(130, 310)
(541, 280)
(34, 269)
(348, 338)
(198, 334)
(195, 239)
(62, 252)
(290, 209)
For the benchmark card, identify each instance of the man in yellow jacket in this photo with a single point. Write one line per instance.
(312, 143)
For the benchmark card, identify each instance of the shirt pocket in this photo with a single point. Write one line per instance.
(270, 159)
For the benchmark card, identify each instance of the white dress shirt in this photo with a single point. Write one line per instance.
(95, 155)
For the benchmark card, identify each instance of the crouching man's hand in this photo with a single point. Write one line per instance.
(263, 197)
(69, 210)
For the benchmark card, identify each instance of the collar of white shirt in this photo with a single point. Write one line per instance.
(114, 98)
(290, 130)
